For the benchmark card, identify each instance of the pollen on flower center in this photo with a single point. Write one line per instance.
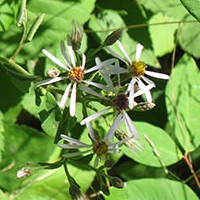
(121, 101)
(137, 68)
(76, 74)
(100, 148)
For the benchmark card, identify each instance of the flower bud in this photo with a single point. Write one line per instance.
(75, 193)
(117, 182)
(76, 35)
(144, 106)
(113, 37)
(24, 172)
(109, 163)
(105, 189)
(53, 72)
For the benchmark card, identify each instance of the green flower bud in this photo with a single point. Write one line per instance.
(113, 37)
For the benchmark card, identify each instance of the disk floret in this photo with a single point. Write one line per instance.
(76, 74)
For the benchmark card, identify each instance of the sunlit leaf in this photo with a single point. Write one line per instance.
(153, 189)
(169, 153)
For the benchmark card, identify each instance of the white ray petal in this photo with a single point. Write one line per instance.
(65, 97)
(116, 123)
(71, 53)
(142, 91)
(69, 155)
(97, 60)
(71, 146)
(131, 93)
(148, 81)
(123, 51)
(145, 89)
(54, 59)
(157, 75)
(116, 55)
(109, 82)
(138, 52)
(72, 108)
(96, 67)
(90, 130)
(89, 90)
(129, 126)
(73, 140)
(98, 85)
(83, 61)
(63, 50)
(49, 81)
(94, 116)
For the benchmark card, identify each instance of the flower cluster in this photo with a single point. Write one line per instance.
(117, 96)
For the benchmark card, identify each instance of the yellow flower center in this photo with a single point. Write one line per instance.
(100, 149)
(121, 101)
(76, 74)
(137, 68)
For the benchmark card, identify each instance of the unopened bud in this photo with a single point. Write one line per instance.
(105, 189)
(109, 163)
(75, 193)
(24, 172)
(144, 106)
(113, 37)
(76, 35)
(53, 72)
(117, 182)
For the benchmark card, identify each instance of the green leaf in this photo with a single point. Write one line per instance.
(114, 21)
(53, 184)
(22, 144)
(66, 124)
(172, 8)
(169, 153)
(49, 113)
(193, 7)
(189, 38)
(55, 27)
(162, 36)
(183, 103)
(153, 189)
(8, 14)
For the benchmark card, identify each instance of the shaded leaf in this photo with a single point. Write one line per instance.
(183, 103)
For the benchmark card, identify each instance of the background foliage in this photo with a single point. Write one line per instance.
(28, 121)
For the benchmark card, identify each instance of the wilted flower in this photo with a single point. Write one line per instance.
(137, 69)
(24, 172)
(100, 147)
(75, 75)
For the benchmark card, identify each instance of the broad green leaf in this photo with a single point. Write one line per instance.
(22, 145)
(55, 27)
(53, 184)
(162, 36)
(183, 103)
(8, 13)
(172, 8)
(153, 189)
(190, 37)
(49, 113)
(193, 7)
(169, 153)
(114, 21)
(10, 96)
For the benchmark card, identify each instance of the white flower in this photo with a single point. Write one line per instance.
(100, 147)
(121, 102)
(75, 74)
(138, 70)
